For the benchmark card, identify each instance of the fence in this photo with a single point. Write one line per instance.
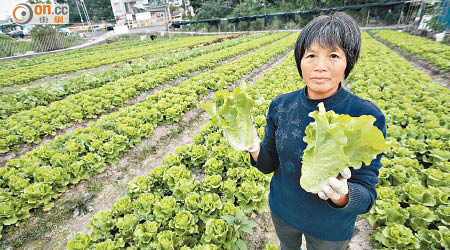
(16, 46)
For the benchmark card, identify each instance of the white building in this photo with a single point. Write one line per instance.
(129, 10)
(122, 7)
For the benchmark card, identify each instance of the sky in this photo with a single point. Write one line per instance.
(6, 7)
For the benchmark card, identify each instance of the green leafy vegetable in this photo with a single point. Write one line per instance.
(80, 241)
(336, 142)
(232, 113)
(396, 236)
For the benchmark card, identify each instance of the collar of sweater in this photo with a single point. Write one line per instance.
(328, 102)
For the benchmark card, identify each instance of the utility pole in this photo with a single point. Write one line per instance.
(79, 12)
(83, 7)
(167, 20)
(185, 9)
(264, 3)
(367, 20)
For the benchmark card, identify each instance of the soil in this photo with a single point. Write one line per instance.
(265, 233)
(361, 239)
(115, 179)
(53, 79)
(437, 75)
(49, 79)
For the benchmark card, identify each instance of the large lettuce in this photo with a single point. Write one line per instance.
(336, 142)
(232, 113)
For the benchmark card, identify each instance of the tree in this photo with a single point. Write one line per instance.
(211, 9)
(98, 10)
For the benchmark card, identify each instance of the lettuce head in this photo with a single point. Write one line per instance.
(232, 113)
(335, 142)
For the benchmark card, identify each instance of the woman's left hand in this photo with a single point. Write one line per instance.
(337, 189)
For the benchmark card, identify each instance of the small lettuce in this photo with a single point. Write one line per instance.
(145, 233)
(185, 223)
(336, 142)
(81, 241)
(232, 113)
(396, 236)
(126, 226)
(219, 232)
(420, 217)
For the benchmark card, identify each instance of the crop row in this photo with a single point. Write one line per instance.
(75, 53)
(413, 207)
(26, 74)
(198, 212)
(30, 125)
(42, 175)
(433, 52)
(53, 91)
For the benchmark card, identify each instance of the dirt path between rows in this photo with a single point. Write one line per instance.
(437, 75)
(50, 80)
(65, 76)
(27, 147)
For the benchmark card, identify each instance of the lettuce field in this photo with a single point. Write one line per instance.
(107, 147)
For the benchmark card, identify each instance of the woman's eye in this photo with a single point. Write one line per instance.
(334, 56)
(310, 56)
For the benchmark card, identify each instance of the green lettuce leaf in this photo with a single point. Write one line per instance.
(232, 113)
(336, 142)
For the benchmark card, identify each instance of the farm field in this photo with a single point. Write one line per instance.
(74, 53)
(124, 157)
(433, 52)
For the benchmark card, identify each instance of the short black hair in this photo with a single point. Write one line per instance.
(336, 30)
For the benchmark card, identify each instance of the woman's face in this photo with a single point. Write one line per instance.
(322, 70)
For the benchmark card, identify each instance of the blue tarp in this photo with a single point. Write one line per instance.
(444, 18)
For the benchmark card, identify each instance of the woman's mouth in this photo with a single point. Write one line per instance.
(319, 79)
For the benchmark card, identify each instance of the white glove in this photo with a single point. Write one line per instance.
(252, 148)
(336, 187)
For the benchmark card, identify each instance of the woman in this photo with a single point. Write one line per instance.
(325, 53)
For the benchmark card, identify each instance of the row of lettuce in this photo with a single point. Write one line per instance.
(172, 209)
(413, 206)
(38, 177)
(115, 46)
(435, 53)
(24, 75)
(51, 91)
(30, 126)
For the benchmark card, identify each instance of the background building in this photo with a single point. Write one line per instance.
(150, 12)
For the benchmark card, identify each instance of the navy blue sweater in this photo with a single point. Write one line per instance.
(281, 153)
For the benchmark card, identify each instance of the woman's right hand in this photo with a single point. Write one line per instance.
(255, 155)
(255, 148)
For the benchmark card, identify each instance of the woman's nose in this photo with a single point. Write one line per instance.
(321, 64)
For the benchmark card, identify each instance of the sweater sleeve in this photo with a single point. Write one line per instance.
(268, 160)
(362, 184)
